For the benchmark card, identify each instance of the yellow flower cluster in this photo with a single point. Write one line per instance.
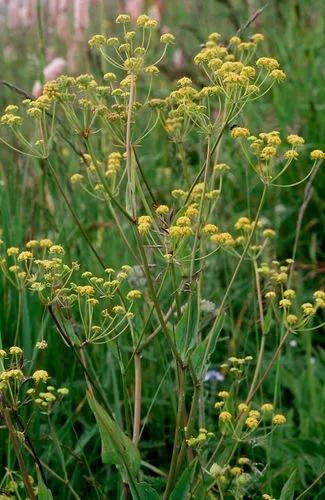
(144, 223)
(223, 239)
(199, 439)
(113, 164)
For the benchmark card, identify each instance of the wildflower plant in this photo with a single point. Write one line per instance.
(159, 295)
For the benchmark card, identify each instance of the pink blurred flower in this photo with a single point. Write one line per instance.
(13, 14)
(37, 89)
(133, 7)
(52, 10)
(81, 15)
(154, 12)
(62, 22)
(54, 69)
(178, 58)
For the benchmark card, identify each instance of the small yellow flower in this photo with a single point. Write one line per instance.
(223, 394)
(243, 460)
(209, 229)
(291, 319)
(143, 228)
(192, 210)
(12, 251)
(32, 243)
(279, 419)
(308, 309)
(285, 303)
(183, 221)
(317, 154)
(118, 310)
(267, 63)
(167, 38)
(219, 404)
(123, 18)
(162, 210)
(178, 231)
(242, 407)
(225, 416)
(223, 239)
(270, 295)
(235, 471)
(85, 290)
(239, 132)
(56, 249)
(40, 376)
(266, 407)
(243, 223)
(254, 414)
(63, 390)
(269, 233)
(45, 243)
(295, 140)
(15, 350)
(235, 40)
(291, 154)
(76, 178)
(134, 294)
(144, 219)
(251, 422)
(278, 75)
(281, 277)
(221, 167)
(24, 256)
(2, 353)
(268, 152)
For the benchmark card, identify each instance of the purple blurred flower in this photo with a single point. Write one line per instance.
(214, 375)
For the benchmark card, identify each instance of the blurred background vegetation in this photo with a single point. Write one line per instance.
(31, 207)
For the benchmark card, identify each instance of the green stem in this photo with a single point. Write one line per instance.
(178, 431)
(234, 276)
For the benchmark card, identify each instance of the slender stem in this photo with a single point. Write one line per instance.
(15, 444)
(227, 292)
(197, 178)
(189, 428)
(137, 398)
(318, 478)
(157, 306)
(308, 192)
(19, 314)
(130, 173)
(74, 215)
(178, 431)
(263, 340)
(269, 368)
(143, 175)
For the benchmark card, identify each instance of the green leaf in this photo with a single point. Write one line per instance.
(117, 448)
(288, 489)
(187, 328)
(43, 492)
(268, 319)
(199, 355)
(146, 492)
(183, 486)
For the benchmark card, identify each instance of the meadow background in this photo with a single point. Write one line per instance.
(31, 207)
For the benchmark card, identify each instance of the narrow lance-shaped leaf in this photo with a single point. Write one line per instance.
(117, 448)
(199, 353)
(187, 327)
